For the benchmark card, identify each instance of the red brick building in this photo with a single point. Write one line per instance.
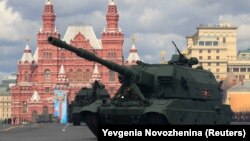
(38, 73)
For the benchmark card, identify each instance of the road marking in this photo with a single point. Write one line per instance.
(11, 127)
(64, 128)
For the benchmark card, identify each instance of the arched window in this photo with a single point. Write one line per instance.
(47, 75)
(25, 107)
(111, 75)
(79, 75)
(45, 110)
(71, 75)
(26, 76)
(88, 75)
(34, 116)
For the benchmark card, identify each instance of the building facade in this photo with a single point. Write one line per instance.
(38, 73)
(5, 103)
(5, 97)
(213, 46)
(241, 66)
(238, 97)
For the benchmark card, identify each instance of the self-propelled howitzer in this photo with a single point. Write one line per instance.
(84, 97)
(173, 93)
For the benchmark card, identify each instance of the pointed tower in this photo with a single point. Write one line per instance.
(27, 56)
(48, 23)
(112, 41)
(25, 79)
(25, 65)
(112, 29)
(112, 17)
(49, 17)
(62, 78)
(133, 55)
(96, 76)
(47, 55)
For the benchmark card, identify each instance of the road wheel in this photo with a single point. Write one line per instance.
(156, 119)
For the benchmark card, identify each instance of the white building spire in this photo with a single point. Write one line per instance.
(48, 2)
(62, 80)
(62, 76)
(96, 76)
(35, 97)
(111, 2)
(62, 70)
(133, 55)
(27, 56)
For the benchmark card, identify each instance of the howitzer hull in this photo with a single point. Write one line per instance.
(161, 112)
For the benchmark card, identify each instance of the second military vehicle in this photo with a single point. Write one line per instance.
(173, 93)
(84, 97)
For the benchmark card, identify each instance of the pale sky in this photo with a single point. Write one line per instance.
(154, 23)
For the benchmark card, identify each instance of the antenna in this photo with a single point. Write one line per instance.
(182, 57)
(177, 48)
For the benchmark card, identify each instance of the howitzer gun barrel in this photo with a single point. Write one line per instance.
(92, 57)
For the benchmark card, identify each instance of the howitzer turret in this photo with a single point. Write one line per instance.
(182, 60)
(173, 93)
